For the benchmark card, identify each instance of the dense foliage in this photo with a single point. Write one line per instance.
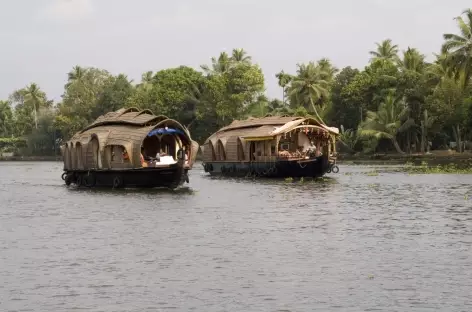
(398, 102)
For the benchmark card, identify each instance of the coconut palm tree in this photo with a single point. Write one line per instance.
(37, 98)
(327, 67)
(438, 70)
(240, 56)
(390, 119)
(426, 124)
(283, 80)
(6, 119)
(459, 47)
(77, 74)
(385, 51)
(309, 87)
(219, 65)
(412, 60)
(146, 78)
(349, 138)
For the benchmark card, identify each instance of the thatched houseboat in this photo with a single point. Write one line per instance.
(129, 148)
(272, 147)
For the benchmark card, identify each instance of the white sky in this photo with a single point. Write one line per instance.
(41, 40)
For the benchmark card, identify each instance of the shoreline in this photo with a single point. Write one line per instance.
(440, 157)
(31, 158)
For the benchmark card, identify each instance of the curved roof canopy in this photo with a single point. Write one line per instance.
(267, 127)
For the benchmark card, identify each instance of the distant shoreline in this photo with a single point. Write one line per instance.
(439, 157)
(31, 158)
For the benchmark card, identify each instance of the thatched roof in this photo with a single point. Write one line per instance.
(128, 116)
(125, 127)
(265, 127)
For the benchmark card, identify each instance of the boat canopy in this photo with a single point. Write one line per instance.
(165, 130)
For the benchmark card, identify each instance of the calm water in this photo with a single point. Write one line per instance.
(350, 242)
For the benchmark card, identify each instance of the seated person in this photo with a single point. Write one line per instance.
(125, 156)
(159, 154)
(142, 160)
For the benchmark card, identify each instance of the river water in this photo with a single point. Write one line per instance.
(348, 242)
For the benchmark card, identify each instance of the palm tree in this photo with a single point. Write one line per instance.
(459, 47)
(426, 123)
(37, 97)
(437, 71)
(327, 67)
(6, 117)
(309, 87)
(412, 60)
(283, 80)
(390, 119)
(385, 51)
(259, 108)
(146, 80)
(218, 66)
(240, 56)
(348, 138)
(452, 100)
(76, 74)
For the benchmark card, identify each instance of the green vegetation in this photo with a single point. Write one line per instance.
(399, 102)
(424, 168)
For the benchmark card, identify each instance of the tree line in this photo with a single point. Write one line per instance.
(398, 102)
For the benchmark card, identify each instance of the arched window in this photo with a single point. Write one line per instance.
(240, 150)
(220, 150)
(78, 156)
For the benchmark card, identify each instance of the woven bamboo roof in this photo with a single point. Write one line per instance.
(126, 125)
(129, 116)
(265, 127)
(128, 128)
(254, 122)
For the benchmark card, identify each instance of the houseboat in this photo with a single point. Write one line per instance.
(129, 148)
(274, 146)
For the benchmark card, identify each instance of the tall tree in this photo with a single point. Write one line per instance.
(459, 47)
(385, 50)
(219, 65)
(6, 119)
(309, 87)
(240, 56)
(37, 98)
(390, 120)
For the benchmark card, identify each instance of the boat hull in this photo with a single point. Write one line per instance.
(310, 168)
(169, 177)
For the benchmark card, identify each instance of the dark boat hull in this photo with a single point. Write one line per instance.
(170, 177)
(311, 168)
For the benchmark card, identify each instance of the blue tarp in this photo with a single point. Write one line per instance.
(165, 131)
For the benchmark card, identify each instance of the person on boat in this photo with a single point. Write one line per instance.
(311, 149)
(159, 154)
(125, 155)
(143, 162)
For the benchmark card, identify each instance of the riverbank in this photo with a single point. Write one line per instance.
(31, 158)
(433, 158)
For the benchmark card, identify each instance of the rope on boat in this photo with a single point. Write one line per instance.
(301, 165)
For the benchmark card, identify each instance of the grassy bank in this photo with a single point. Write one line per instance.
(435, 158)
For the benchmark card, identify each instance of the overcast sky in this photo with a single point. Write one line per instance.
(41, 40)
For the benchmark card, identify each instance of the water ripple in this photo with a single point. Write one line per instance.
(348, 242)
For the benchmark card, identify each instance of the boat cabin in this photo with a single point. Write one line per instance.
(129, 139)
